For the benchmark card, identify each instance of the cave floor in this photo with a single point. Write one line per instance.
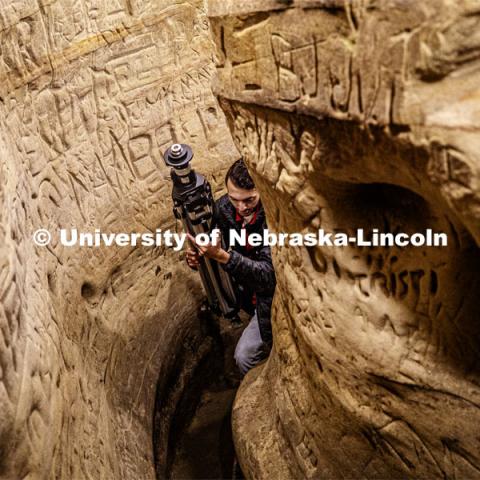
(205, 449)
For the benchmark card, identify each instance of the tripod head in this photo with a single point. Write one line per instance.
(191, 194)
(179, 156)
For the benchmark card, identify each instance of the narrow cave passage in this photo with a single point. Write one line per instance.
(192, 424)
(205, 449)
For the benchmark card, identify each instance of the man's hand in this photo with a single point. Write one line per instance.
(215, 252)
(193, 258)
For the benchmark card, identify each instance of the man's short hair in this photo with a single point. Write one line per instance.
(239, 176)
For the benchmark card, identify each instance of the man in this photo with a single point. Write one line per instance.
(250, 267)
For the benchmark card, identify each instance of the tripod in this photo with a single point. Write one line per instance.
(194, 206)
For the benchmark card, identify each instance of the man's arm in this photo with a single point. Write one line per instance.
(258, 273)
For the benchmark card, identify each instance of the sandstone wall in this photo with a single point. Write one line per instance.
(350, 114)
(91, 93)
(361, 114)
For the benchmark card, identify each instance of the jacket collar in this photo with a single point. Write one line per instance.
(230, 214)
(239, 218)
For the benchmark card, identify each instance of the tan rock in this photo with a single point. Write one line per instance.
(91, 94)
(361, 115)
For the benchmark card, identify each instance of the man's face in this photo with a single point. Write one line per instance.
(243, 200)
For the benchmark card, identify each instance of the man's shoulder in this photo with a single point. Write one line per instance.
(225, 211)
(223, 201)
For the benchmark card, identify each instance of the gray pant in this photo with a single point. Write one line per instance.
(248, 351)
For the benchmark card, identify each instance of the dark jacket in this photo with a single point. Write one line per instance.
(251, 269)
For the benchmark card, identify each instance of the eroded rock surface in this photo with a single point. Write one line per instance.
(91, 94)
(361, 115)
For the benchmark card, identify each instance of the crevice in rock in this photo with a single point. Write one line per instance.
(192, 435)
